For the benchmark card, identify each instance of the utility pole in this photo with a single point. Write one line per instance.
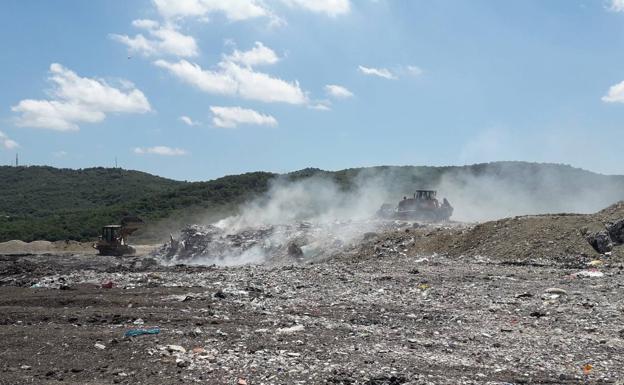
(115, 162)
(16, 160)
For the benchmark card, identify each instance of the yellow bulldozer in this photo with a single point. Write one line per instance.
(114, 238)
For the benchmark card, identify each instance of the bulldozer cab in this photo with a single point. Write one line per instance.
(425, 195)
(111, 233)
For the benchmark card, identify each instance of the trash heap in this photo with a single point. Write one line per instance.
(613, 235)
(273, 244)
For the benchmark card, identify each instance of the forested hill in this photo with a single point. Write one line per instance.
(41, 202)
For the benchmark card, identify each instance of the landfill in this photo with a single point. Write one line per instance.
(522, 300)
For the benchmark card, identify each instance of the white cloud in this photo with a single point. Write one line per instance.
(78, 100)
(259, 54)
(331, 8)
(6, 142)
(188, 121)
(321, 106)
(234, 10)
(217, 82)
(337, 91)
(414, 70)
(381, 72)
(230, 117)
(160, 150)
(230, 78)
(617, 6)
(166, 40)
(615, 94)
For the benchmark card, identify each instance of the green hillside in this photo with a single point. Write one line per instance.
(47, 203)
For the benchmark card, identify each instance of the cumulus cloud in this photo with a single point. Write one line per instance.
(617, 6)
(188, 121)
(615, 94)
(160, 150)
(380, 72)
(331, 8)
(233, 10)
(164, 40)
(233, 79)
(77, 100)
(337, 91)
(6, 142)
(258, 55)
(230, 117)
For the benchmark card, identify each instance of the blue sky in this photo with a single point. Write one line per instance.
(279, 85)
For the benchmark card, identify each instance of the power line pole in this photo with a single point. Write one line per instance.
(16, 160)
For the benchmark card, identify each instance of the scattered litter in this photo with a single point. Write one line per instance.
(555, 290)
(588, 274)
(175, 348)
(290, 330)
(100, 346)
(140, 332)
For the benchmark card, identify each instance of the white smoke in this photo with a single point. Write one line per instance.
(340, 213)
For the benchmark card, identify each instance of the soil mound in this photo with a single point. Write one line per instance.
(45, 247)
(536, 239)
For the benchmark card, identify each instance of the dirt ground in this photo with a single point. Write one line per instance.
(478, 308)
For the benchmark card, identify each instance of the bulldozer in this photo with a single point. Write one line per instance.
(423, 205)
(114, 238)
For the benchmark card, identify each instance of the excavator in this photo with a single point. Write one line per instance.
(114, 238)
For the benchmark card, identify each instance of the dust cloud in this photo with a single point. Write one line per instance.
(325, 213)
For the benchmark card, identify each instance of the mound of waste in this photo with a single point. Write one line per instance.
(198, 244)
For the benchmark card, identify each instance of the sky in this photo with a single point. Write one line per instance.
(198, 89)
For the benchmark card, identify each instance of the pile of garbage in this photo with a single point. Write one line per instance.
(273, 244)
(613, 235)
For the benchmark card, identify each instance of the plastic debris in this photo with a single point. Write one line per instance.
(139, 332)
(588, 274)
